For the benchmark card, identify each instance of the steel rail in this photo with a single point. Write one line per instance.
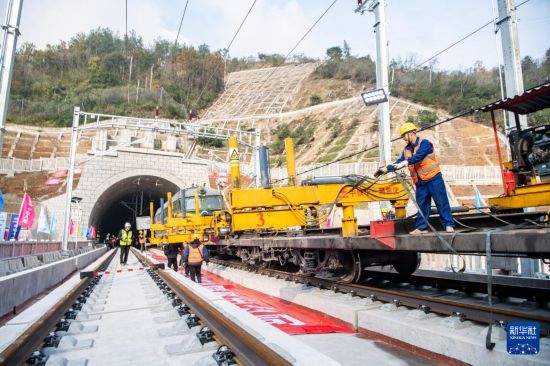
(31, 339)
(247, 348)
(533, 289)
(476, 312)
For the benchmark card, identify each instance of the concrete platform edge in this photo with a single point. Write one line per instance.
(22, 286)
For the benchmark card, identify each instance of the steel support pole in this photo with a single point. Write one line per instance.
(384, 130)
(499, 153)
(9, 44)
(257, 179)
(234, 162)
(513, 76)
(70, 179)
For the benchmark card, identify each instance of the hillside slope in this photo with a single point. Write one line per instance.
(339, 125)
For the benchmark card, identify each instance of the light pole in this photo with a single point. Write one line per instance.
(78, 218)
(378, 8)
(70, 179)
(9, 44)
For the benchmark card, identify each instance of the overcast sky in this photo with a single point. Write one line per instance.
(415, 27)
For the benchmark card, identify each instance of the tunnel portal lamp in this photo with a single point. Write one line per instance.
(373, 97)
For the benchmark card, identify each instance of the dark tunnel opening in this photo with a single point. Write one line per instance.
(126, 199)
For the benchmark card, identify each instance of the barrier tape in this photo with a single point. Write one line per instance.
(91, 274)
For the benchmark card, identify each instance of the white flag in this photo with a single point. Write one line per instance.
(3, 222)
(43, 226)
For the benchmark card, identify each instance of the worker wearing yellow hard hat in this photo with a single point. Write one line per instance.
(407, 127)
(418, 155)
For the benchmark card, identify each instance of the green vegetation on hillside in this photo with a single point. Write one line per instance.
(453, 91)
(301, 131)
(93, 71)
(264, 60)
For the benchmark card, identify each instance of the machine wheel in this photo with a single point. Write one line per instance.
(407, 263)
(353, 269)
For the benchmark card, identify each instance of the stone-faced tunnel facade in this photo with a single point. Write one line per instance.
(103, 172)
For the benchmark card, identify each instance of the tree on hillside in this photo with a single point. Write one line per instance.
(272, 59)
(92, 70)
(335, 53)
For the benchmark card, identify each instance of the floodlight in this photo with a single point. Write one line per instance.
(368, 5)
(374, 97)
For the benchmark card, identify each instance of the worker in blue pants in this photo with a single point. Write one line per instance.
(419, 157)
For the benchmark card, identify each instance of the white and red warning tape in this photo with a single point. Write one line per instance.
(86, 274)
(106, 273)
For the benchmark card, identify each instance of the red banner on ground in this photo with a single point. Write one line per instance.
(288, 317)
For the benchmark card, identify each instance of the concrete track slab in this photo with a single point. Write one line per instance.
(359, 350)
(398, 325)
(124, 329)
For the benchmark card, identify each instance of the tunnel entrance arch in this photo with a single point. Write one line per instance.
(123, 197)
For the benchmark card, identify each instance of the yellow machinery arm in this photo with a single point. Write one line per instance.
(297, 207)
(180, 228)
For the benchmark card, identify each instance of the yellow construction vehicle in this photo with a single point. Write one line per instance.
(198, 210)
(526, 179)
(297, 208)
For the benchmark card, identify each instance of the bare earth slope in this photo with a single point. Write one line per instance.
(339, 125)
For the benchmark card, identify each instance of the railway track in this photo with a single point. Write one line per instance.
(464, 298)
(120, 313)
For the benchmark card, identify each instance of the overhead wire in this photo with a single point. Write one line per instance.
(287, 55)
(464, 38)
(240, 26)
(226, 50)
(181, 23)
(455, 43)
(420, 64)
(422, 129)
(299, 41)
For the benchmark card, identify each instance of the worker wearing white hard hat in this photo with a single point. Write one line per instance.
(125, 239)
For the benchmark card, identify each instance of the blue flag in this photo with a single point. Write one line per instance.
(1, 201)
(13, 226)
(53, 225)
(477, 200)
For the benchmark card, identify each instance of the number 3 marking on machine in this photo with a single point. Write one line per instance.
(261, 218)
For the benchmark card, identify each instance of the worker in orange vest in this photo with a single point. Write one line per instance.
(141, 241)
(182, 259)
(419, 157)
(193, 256)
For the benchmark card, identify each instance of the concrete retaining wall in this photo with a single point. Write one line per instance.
(17, 288)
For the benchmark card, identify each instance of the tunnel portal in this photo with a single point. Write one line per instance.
(126, 199)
